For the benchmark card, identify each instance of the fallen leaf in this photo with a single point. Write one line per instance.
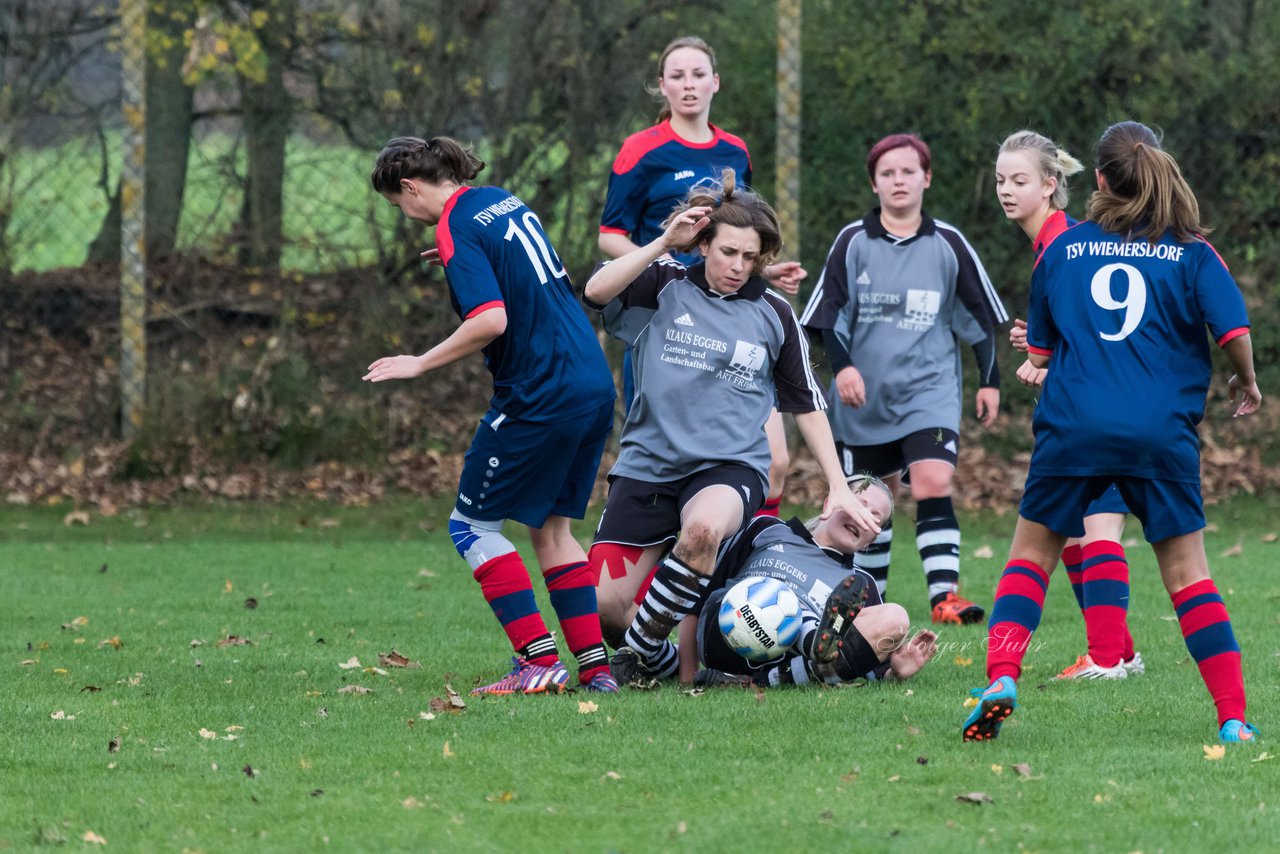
(895, 778)
(315, 693)
(113, 746)
(1023, 769)
(963, 662)
(426, 716)
(450, 703)
(60, 671)
(411, 803)
(682, 827)
(1215, 752)
(251, 603)
(207, 733)
(922, 760)
(984, 552)
(350, 664)
(27, 662)
(93, 838)
(249, 771)
(997, 769)
(611, 775)
(227, 587)
(1262, 757)
(61, 716)
(1211, 528)
(76, 624)
(232, 728)
(92, 689)
(354, 689)
(448, 751)
(501, 798)
(377, 671)
(971, 702)
(426, 573)
(975, 798)
(329, 523)
(395, 659)
(322, 712)
(231, 736)
(826, 815)
(586, 707)
(1234, 551)
(113, 641)
(852, 775)
(315, 793)
(1270, 537)
(76, 517)
(195, 643)
(234, 640)
(908, 693)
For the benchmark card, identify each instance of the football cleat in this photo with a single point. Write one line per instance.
(1085, 668)
(1234, 730)
(602, 683)
(843, 606)
(709, 677)
(1134, 666)
(954, 609)
(528, 678)
(995, 704)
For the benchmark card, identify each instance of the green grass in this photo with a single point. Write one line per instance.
(1114, 767)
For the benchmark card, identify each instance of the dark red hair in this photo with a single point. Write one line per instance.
(897, 140)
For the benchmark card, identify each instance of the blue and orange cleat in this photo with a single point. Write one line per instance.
(1235, 731)
(995, 704)
(528, 678)
(602, 683)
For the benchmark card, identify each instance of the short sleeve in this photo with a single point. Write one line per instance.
(1042, 332)
(624, 201)
(470, 274)
(1219, 297)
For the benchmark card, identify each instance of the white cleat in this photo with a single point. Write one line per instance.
(1134, 666)
(1084, 668)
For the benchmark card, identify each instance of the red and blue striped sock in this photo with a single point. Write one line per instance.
(1106, 602)
(506, 587)
(771, 507)
(1072, 557)
(573, 596)
(1015, 615)
(1206, 627)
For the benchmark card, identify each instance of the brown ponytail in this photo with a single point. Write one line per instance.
(738, 207)
(1145, 194)
(434, 161)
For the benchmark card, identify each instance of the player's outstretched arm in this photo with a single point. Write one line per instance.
(786, 276)
(816, 431)
(472, 336)
(614, 277)
(1239, 352)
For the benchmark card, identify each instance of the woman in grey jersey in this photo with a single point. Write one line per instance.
(847, 631)
(712, 348)
(897, 294)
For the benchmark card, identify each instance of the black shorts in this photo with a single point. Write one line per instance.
(898, 456)
(641, 513)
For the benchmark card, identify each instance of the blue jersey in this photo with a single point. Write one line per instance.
(547, 365)
(653, 173)
(1123, 322)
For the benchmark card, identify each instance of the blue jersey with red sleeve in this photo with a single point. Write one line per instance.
(1123, 322)
(653, 173)
(547, 365)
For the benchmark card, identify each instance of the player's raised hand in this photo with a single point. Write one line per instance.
(786, 276)
(1251, 395)
(1018, 335)
(394, 368)
(683, 228)
(841, 497)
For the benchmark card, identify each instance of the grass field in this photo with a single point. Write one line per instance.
(126, 720)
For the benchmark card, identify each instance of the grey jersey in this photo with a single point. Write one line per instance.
(707, 368)
(898, 307)
(786, 551)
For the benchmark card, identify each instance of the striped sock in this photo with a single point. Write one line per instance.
(874, 559)
(1106, 602)
(1072, 557)
(1015, 614)
(770, 507)
(504, 581)
(1206, 627)
(573, 596)
(938, 539)
(676, 590)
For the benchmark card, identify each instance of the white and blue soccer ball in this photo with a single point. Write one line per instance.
(760, 618)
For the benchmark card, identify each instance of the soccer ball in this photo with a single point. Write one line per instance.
(760, 618)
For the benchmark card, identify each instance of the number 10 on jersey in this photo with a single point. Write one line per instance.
(544, 261)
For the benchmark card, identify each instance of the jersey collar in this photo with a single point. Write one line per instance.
(875, 228)
(752, 288)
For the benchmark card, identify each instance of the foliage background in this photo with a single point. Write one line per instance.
(276, 274)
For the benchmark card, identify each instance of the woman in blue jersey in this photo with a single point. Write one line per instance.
(1118, 312)
(847, 631)
(652, 174)
(1031, 185)
(898, 293)
(536, 451)
(714, 350)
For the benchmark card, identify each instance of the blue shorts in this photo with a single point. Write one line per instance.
(1166, 508)
(1110, 501)
(528, 471)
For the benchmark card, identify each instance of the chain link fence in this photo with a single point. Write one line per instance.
(262, 306)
